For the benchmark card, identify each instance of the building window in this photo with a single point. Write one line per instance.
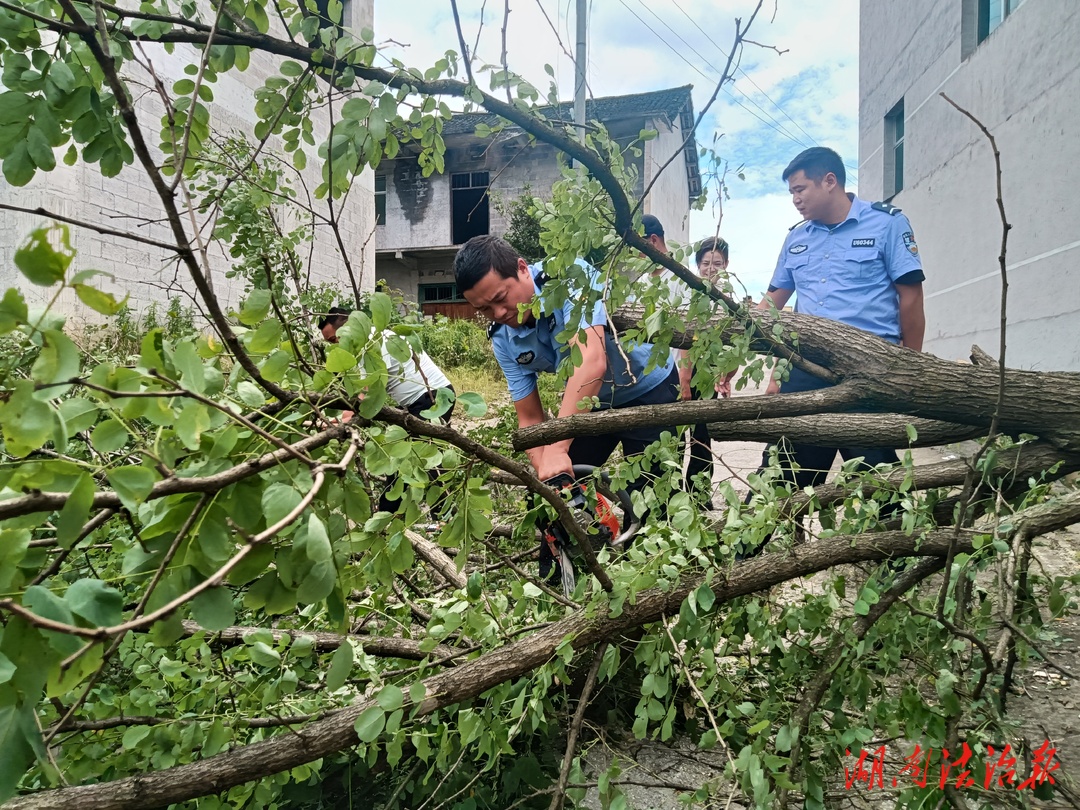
(380, 199)
(468, 205)
(992, 13)
(894, 150)
(439, 293)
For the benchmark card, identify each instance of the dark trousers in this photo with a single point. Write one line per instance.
(813, 461)
(701, 459)
(595, 450)
(387, 504)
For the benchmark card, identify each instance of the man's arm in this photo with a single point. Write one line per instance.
(912, 317)
(686, 374)
(778, 296)
(585, 382)
(530, 411)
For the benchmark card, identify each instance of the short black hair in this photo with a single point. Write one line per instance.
(479, 256)
(713, 243)
(653, 226)
(336, 318)
(816, 162)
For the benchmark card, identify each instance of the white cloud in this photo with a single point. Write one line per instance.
(814, 82)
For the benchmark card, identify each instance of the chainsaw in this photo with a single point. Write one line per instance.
(557, 546)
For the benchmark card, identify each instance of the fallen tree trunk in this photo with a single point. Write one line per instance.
(876, 376)
(470, 680)
(846, 430)
(382, 646)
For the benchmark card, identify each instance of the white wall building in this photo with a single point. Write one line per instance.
(1015, 65)
(128, 201)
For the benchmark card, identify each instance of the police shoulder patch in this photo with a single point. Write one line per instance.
(887, 208)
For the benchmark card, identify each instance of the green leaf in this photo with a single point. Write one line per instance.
(277, 501)
(132, 485)
(266, 337)
(373, 402)
(370, 724)
(213, 609)
(57, 362)
(264, 655)
(75, 511)
(255, 307)
(96, 602)
(190, 365)
(250, 394)
(62, 76)
(39, 261)
(339, 360)
(37, 146)
(12, 311)
(19, 169)
(382, 309)
(99, 300)
(134, 736)
(18, 753)
(705, 597)
(417, 692)
(26, 421)
(390, 698)
(7, 668)
(474, 585)
(317, 544)
(473, 403)
(109, 436)
(340, 666)
(193, 420)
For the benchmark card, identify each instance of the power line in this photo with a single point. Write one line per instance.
(851, 169)
(779, 127)
(707, 77)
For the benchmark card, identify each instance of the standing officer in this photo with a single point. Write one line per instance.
(850, 261)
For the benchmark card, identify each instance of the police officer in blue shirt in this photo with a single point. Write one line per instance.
(496, 280)
(850, 261)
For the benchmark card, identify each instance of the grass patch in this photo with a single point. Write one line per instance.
(488, 383)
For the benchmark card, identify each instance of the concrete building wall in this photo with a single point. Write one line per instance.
(668, 199)
(1022, 83)
(129, 202)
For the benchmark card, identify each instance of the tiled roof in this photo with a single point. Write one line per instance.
(675, 103)
(670, 102)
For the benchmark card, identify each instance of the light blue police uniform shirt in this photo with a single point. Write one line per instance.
(848, 273)
(524, 352)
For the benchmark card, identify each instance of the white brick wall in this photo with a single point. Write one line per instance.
(129, 201)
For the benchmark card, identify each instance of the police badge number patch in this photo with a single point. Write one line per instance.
(909, 243)
(797, 249)
(525, 358)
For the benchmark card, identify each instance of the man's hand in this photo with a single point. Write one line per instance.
(774, 385)
(723, 385)
(553, 461)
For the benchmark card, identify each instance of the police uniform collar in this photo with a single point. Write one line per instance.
(855, 213)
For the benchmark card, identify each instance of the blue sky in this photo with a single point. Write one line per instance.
(780, 104)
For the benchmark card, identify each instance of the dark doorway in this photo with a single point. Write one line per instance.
(469, 205)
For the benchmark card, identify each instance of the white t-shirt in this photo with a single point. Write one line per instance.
(407, 381)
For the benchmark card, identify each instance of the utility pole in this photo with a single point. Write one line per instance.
(579, 73)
